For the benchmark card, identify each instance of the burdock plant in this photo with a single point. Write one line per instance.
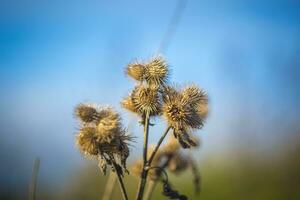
(102, 136)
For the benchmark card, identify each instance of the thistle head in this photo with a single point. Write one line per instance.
(181, 108)
(194, 95)
(109, 126)
(156, 71)
(86, 113)
(147, 99)
(178, 163)
(136, 71)
(128, 104)
(179, 112)
(87, 141)
(105, 139)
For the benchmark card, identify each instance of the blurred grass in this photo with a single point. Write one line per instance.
(239, 176)
(235, 175)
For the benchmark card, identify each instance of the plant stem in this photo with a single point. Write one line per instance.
(158, 145)
(142, 182)
(109, 186)
(153, 183)
(148, 163)
(123, 190)
(35, 171)
(150, 189)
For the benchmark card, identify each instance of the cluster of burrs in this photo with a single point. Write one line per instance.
(184, 109)
(102, 136)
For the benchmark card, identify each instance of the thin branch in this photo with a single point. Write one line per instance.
(166, 40)
(109, 186)
(143, 179)
(150, 189)
(121, 183)
(158, 145)
(33, 184)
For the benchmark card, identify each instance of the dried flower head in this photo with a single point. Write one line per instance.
(194, 95)
(109, 126)
(178, 163)
(86, 113)
(156, 71)
(136, 71)
(147, 99)
(181, 110)
(105, 139)
(128, 104)
(87, 141)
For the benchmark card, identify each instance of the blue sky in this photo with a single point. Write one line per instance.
(54, 55)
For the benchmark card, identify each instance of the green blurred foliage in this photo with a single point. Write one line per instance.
(235, 175)
(242, 175)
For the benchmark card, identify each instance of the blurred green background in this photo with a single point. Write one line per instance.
(245, 54)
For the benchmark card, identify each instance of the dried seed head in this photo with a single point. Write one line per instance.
(184, 111)
(135, 71)
(87, 141)
(156, 71)
(179, 112)
(109, 126)
(105, 139)
(86, 113)
(178, 163)
(194, 95)
(147, 99)
(128, 104)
